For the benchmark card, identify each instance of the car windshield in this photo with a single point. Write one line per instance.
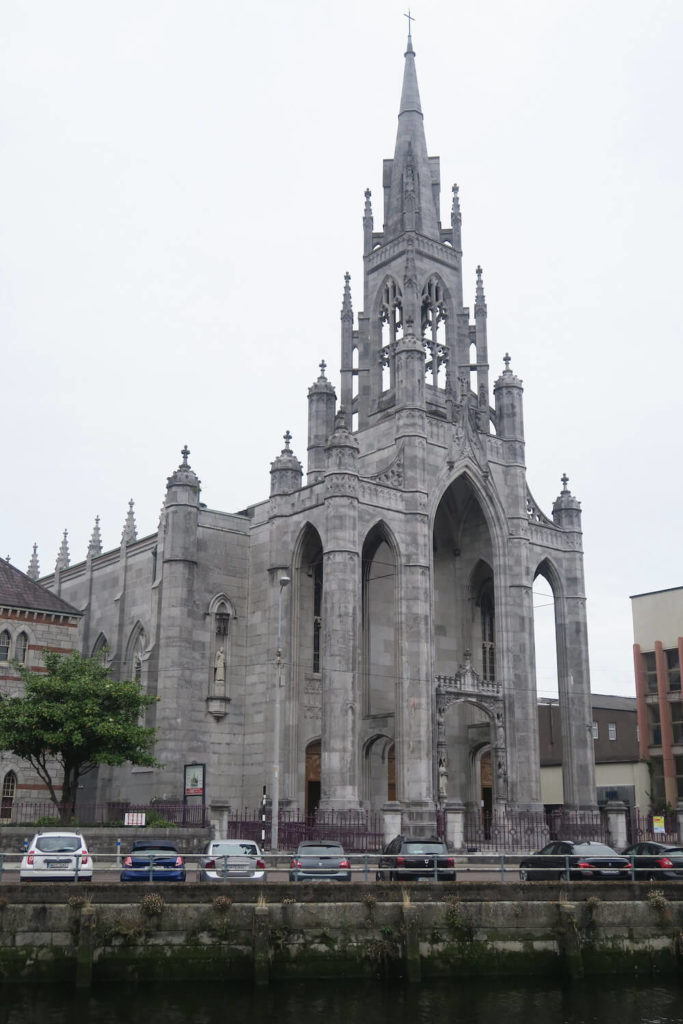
(58, 844)
(320, 851)
(420, 848)
(234, 849)
(594, 850)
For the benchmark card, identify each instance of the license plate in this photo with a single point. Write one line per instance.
(58, 864)
(610, 871)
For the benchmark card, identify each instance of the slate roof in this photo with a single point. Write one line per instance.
(17, 590)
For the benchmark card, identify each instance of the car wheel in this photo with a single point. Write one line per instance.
(523, 875)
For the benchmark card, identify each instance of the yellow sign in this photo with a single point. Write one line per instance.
(658, 823)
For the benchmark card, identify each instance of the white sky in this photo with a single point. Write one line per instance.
(182, 190)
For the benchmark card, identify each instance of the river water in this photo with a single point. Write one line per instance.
(602, 1001)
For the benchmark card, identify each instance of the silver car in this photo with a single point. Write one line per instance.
(227, 860)
(56, 857)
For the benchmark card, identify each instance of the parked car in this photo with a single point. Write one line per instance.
(316, 861)
(576, 861)
(656, 861)
(406, 858)
(153, 860)
(226, 860)
(56, 857)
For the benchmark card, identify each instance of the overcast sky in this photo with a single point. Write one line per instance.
(182, 191)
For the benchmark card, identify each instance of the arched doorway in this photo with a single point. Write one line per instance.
(312, 778)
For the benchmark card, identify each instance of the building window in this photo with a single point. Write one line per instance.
(4, 645)
(612, 730)
(673, 671)
(317, 612)
(595, 730)
(488, 647)
(649, 671)
(677, 722)
(21, 647)
(9, 788)
(654, 726)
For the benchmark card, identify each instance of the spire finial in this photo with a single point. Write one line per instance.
(95, 545)
(565, 480)
(287, 438)
(347, 308)
(130, 531)
(410, 33)
(323, 367)
(185, 452)
(63, 559)
(506, 360)
(33, 571)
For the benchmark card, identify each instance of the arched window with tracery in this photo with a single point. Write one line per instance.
(391, 320)
(9, 789)
(4, 645)
(21, 648)
(488, 632)
(434, 318)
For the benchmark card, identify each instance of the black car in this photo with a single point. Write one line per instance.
(656, 861)
(576, 861)
(406, 859)
(319, 860)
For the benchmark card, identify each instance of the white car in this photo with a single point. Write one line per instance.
(56, 857)
(228, 860)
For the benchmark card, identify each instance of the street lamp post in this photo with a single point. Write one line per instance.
(275, 809)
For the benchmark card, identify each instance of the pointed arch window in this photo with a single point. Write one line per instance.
(317, 612)
(100, 649)
(21, 648)
(434, 316)
(488, 646)
(9, 789)
(4, 645)
(391, 320)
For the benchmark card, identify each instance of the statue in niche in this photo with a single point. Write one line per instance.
(219, 673)
(443, 779)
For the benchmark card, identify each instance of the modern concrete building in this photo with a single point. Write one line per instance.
(389, 592)
(657, 655)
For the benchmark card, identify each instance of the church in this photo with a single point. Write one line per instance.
(363, 638)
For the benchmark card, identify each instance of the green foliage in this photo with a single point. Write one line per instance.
(156, 820)
(75, 716)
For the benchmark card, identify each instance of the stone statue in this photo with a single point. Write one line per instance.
(219, 672)
(443, 779)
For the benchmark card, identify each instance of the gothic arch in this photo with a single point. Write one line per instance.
(221, 615)
(489, 503)
(21, 647)
(378, 779)
(380, 588)
(100, 648)
(386, 321)
(136, 654)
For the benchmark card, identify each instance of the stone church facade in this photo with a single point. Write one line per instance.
(389, 591)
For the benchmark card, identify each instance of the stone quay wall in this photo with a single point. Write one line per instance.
(83, 935)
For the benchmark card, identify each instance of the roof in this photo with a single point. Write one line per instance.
(613, 702)
(17, 590)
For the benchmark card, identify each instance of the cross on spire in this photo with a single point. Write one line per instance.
(323, 367)
(410, 18)
(565, 480)
(287, 437)
(185, 452)
(506, 360)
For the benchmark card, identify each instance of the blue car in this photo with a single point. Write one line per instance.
(153, 860)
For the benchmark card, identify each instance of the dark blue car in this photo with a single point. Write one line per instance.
(153, 860)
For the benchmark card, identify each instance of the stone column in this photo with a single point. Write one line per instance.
(391, 814)
(341, 604)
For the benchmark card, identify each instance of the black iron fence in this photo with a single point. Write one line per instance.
(357, 831)
(159, 815)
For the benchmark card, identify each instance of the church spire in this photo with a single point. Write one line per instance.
(63, 557)
(410, 203)
(95, 545)
(130, 532)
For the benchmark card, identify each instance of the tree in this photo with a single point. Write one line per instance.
(72, 718)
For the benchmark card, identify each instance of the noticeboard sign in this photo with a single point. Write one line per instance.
(194, 779)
